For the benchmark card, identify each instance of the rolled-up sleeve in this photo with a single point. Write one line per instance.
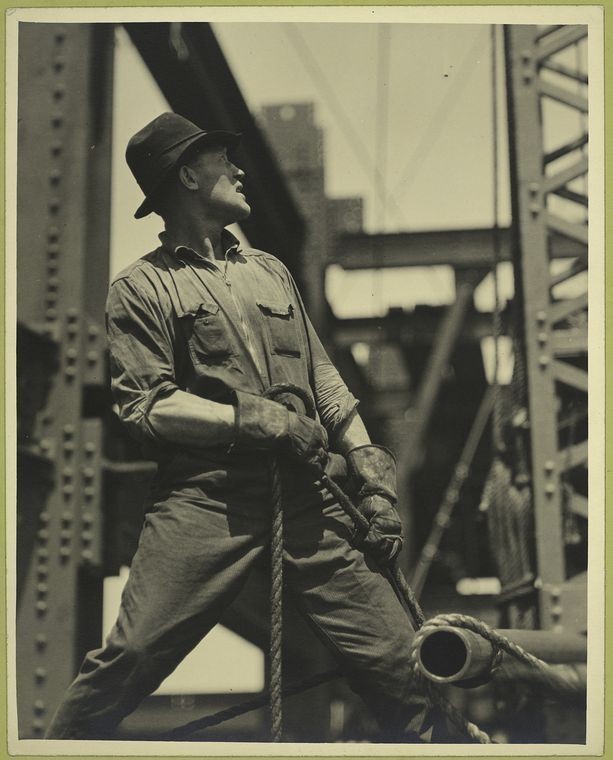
(141, 355)
(335, 402)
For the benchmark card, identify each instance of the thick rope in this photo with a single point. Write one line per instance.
(276, 607)
(395, 576)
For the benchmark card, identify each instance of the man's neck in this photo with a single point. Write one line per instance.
(199, 234)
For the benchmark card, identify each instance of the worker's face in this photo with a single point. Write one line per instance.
(218, 183)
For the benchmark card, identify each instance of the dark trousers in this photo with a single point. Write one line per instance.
(190, 564)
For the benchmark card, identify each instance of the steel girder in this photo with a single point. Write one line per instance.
(554, 326)
(64, 112)
(461, 249)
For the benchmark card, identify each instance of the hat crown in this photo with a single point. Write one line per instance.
(159, 135)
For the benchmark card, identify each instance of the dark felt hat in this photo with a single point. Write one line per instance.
(155, 150)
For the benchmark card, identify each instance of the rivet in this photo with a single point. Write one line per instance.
(54, 205)
(93, 332)
(42, 553)
(72, 315)
(45, 444)
(88, 473)
(58, 64)
(56, 149)
(89, 492)
(542, 338)
(41, 607)
(40, 641)
(526, 56)
(53, 234)
(92, 357)
(543, 360)
(51, 301)
(51, 314)
(555, 592)
(556, 611)
(52, 268)
(87, 536)
(65, 552)
(65, 535)
(54, 177)
(58, 91)
(549, 466)
(43, 518)
(71, 355)
(43, 534)
(68, 448)
(40, 674)
(70, 373)
(535, 209)
(57, 121)
(42, 571)
(541, 317)
(60, 38)
(37, 725)
(527, 77)
(90, 448)
(66, 517)
(533, 187)
(67, 489)
(87, 518)
(87, 555)
(53, 283)
(39, 706)
(67, 473)
(42, 588)
(550, 489)
(53, 250)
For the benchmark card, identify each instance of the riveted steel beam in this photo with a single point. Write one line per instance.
(64, 110)
(552, 328)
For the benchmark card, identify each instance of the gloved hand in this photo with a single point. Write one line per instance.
(263, 424)
(373, 471)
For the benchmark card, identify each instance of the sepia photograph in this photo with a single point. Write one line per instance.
(297, 381)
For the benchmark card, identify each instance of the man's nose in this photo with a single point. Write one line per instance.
(238, 172)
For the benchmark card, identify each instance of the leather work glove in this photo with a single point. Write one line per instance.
(373, 471)
(268, 425)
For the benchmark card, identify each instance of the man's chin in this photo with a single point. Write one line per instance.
(243, 211)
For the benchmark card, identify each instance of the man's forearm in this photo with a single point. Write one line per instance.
(187, 419)
(353, 433)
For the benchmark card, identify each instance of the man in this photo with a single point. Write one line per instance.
(198, 330)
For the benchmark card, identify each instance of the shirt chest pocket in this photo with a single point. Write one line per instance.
(207, 333)
(280, 323)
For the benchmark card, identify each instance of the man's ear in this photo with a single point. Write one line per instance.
(187, 177)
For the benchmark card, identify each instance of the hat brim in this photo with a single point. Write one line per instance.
(216, 137)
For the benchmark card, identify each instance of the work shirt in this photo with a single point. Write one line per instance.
(178, 320)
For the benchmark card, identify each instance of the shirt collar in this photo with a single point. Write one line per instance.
(229, 242)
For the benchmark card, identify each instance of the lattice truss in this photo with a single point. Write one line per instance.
(547, 87)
